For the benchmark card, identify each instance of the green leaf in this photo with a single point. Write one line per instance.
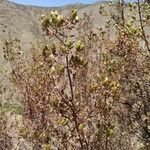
(63, 122)
(73, 14)
(81, 126)
(14, 108)
(46, 147)
(80, 46)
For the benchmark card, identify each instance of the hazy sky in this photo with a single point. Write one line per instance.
(52, 2)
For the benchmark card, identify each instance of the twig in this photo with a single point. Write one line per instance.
(142, 27)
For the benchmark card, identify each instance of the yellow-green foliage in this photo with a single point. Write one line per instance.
(85, 91)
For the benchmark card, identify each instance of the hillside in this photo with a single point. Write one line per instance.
(23, 22)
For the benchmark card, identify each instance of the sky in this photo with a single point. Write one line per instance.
(51, 3)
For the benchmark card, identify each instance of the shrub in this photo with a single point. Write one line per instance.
(74, 102)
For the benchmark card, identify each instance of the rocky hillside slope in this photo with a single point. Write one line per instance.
(23, 22)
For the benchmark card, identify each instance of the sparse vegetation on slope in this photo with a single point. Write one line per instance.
(85, 89)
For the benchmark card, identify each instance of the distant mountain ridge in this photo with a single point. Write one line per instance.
(25, 13)
(23, 21)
